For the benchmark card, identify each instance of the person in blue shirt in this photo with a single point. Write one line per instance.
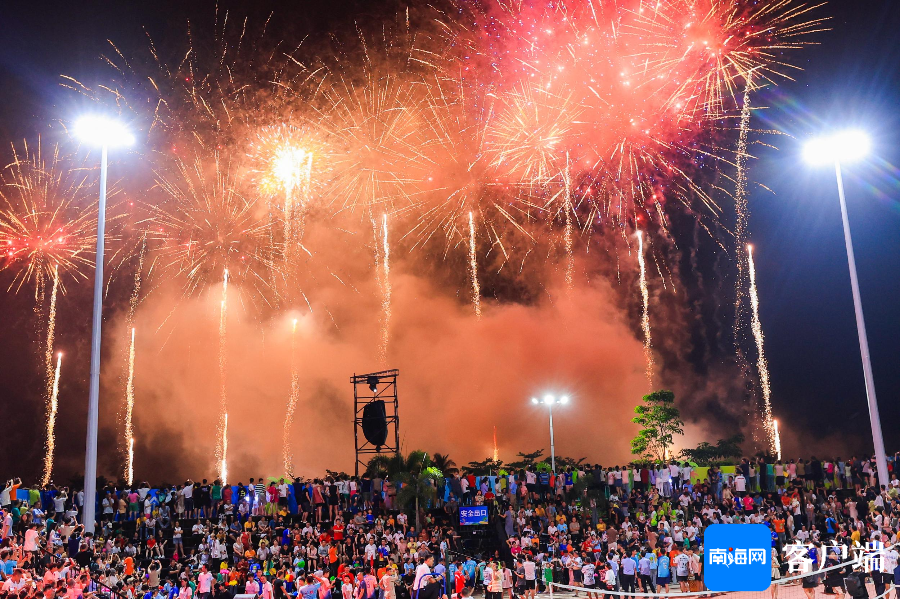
(310, 591)
(628, 572)
(452, 569)
(663, 573)
(469, 567)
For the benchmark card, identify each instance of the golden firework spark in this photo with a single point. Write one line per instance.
(761, 363)
(473, 268)
(383, 276)
(645, 311)
(51, 335)
(222, 438)
(130, 473)
(742, 217)
(777, 437)
(204, 226)
(527, 140)
(50, 442)
(129, 412)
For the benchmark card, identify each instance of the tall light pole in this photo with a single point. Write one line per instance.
(846, 147)
(105, 133)
(549, 400)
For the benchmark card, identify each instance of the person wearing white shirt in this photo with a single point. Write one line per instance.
(664, 481)
(674, 472)
(686, 472)
(740, 483)
(204, 582)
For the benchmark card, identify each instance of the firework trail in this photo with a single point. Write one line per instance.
(496, 448)
(222, 445)
(761, 364)
(742, 217)
(569, 233)
(292, 405)
(51, 424)
(130, 473)
(51, 334)
(473, 268)
(223, 465)
(384, 279)
(138, 274)
(776, 436)
(127, 435)
(645, 313)
(129, 413)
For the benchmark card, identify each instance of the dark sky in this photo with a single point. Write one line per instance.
(850, 79)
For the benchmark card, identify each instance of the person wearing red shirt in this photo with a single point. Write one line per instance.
(459, 582)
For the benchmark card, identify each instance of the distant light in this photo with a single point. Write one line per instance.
(564, 399)
(534, 400)
(100, 131)
(843, 147)
(548, 399)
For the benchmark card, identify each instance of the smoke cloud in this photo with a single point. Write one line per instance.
(459, 376)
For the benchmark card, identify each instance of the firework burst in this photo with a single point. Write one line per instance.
(48, 223)
(204, 226)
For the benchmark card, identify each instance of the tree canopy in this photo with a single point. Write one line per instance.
(660, 421)
(706, 453)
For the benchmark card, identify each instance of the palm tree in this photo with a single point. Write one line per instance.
(397, 464)
(420, 488)
(444, 463)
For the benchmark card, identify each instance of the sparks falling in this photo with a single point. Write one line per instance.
(129, 413)
(473, 268)
(761, 364)
(51, 424)
(645, 313)
(742, 216)
(222, 445)
(291, 407)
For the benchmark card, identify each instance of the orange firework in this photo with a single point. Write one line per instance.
(204, 226)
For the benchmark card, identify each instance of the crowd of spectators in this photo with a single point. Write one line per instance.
(635, 528)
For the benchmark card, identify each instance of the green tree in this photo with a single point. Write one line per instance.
(526, 459)
(444, 463)
(488, 466)
(418, 489)
(708, 454)
(660, 420)
(395, 464)
(418, 479)
(567, 461)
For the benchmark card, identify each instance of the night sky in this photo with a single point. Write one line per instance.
(851, 79)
